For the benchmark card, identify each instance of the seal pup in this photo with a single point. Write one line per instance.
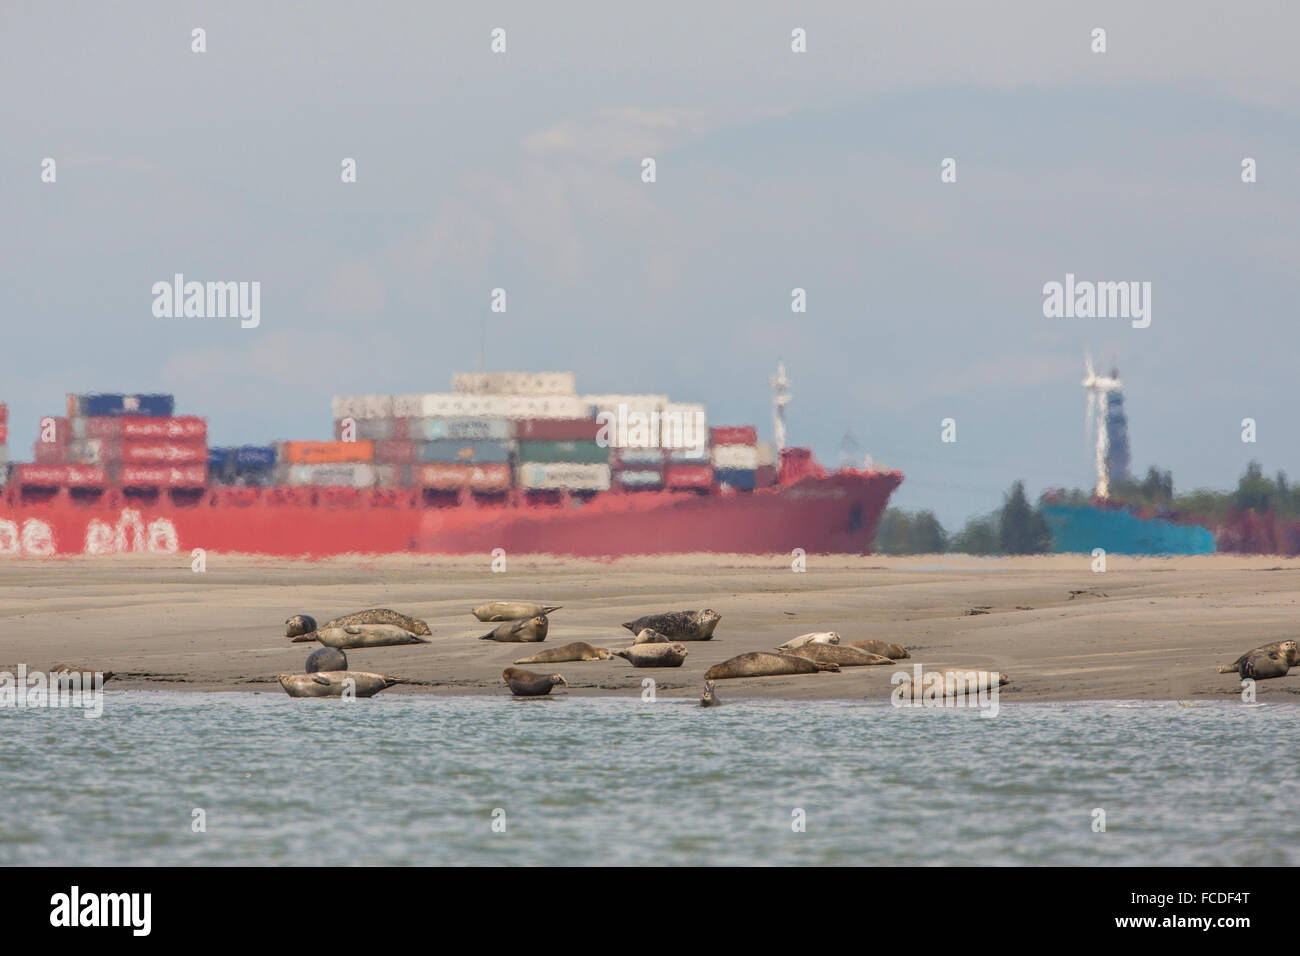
(654, 655)
(382, 615)
(840, 654)
(577, 651)
(1287, 648)
(527, 684)
(1261, 665)
(299, 624)
(679, 625)
(333, 683)
(367, 635)
(895, 652)
(520, 632)
(649, 635)
(709, 698)
(512, 610)
(326, 659)
(766, 664)
(818, 637)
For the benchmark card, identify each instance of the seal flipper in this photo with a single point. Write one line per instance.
(317, 679)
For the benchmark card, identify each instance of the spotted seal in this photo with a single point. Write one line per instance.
(895, 652)
(654, 655)
(679, 625)
(1263, 664)
(512, 610)
(327, 659)
(840, 654)
(577, 651)
(765, 664)
(649, 635)
(817, 637)
(382, 615)
(527, 684)
(527, 631)
(334, 683)
(1287, 648)
(367, 635)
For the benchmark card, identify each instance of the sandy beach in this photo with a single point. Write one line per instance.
(1150, 629)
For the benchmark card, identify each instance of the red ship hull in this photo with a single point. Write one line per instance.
(836, 514)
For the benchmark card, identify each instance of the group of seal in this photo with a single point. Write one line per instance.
(327, 673)
(522, 622)
(1268, 660)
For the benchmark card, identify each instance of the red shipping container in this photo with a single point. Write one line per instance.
(452, 476)
(689, 476)
(4, 433)
(101, 427)
(557, 429)
(86, 476)
(56, 476)
(401, 428)
(395, 452)
(733, 435)
(4, 413)
(186, 476)
(49, 453)
(182, 427)
(765, 476)
(162, 453)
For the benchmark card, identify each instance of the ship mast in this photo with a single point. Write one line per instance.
(781, 385)
(1098, 408)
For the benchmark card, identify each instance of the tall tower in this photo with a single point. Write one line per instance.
(1100, 389)
(781, 385)
(1117, 457)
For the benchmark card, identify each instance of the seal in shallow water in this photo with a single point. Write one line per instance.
(577, 651)
(709, 698)
(512, 610)
(679, 625)
(367, 635)
(382, 615)
(527, 684)
(765, 664)
(654, 655)
(299, 625)
(333, 683)
(520, 632)
(1287, 648)
(894, 652)
(818, 637)
(326, 659)
(840, 654)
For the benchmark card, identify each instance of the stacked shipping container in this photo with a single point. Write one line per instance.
(4, 443)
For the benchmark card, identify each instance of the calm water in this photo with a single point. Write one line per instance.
(415, 780)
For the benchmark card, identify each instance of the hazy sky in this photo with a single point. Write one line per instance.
(775, 170)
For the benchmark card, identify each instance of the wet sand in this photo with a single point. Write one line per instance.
(1146, 629)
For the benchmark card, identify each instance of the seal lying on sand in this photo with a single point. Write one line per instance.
(1261, 665)
(520, 632)
(86, 674)
(1287, 648)
(527, 684)
(649, 635)
(299, 624)
(679, 625)
(367, 635)
(709, 698)
(381, 615)
(819, 637)
(333, 683)
(327, 659)
(512, 610)
(654, 655)
(951, 683)
(577, 651)
(765, 664)
(895, 652)
(840, 654)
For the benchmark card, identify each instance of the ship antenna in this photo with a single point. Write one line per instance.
(781, 385)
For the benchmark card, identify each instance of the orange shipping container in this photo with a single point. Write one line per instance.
(448, 476)
(327, 452)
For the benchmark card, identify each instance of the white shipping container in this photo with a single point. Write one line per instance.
(684, 425)
(358, 475)
(634, 403)
(539, 476)
(514, 383)
(502, 406)
(362, 406)
(743, 457)
(408, 406)
(766, 454)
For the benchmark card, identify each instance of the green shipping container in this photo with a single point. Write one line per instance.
(584, 452)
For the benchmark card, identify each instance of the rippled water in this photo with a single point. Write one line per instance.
(405, 779)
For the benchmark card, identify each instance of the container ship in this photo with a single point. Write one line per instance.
(507, 462)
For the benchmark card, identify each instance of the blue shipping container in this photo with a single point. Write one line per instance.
(254, 456)
(149, 406)
(479, 452)
(742, 479)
